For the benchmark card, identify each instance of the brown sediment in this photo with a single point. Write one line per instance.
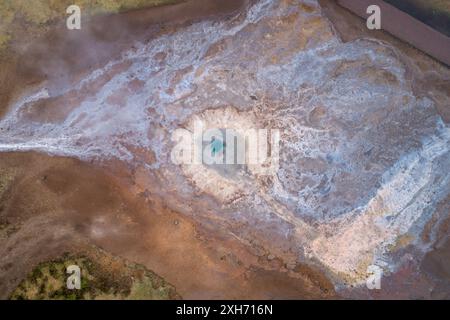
(436, 264)
(64, 205)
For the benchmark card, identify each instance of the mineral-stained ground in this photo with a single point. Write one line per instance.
(363, 177)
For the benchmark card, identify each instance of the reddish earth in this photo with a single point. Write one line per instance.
(55, 205)
(52, 204)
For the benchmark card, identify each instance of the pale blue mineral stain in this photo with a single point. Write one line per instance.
(216, 146)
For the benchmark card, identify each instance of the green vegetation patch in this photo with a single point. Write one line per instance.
(102, 277)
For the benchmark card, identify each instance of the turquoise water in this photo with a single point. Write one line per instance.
(216, 146)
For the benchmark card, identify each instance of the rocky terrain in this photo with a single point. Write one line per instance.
(362, 176)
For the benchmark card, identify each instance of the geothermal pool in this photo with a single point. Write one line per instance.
(363, 159)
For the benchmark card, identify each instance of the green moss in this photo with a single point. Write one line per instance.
(146, 289)
(98, 281)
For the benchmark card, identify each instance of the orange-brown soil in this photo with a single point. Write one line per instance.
(53, 205)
